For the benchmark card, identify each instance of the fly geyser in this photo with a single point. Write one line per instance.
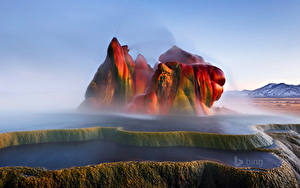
(179, 83)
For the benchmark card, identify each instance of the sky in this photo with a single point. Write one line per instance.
(50, 50)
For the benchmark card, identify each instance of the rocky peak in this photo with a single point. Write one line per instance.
(140, 62)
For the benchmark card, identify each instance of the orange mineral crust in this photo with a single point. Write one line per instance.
(142, 75)
(181, 88)
(112, 85)
(181, 83)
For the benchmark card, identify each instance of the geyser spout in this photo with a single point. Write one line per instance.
(181, 83)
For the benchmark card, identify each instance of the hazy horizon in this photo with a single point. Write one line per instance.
(50, 51)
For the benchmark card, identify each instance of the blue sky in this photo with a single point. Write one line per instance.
(49, 51)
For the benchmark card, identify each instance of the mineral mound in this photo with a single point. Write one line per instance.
(180, 83)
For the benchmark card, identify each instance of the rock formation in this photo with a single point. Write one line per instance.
(114, 84)
(142, 74)
(182, 83)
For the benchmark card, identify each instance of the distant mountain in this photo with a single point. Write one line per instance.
(272, 90)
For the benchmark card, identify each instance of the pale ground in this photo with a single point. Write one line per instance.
(281, 105)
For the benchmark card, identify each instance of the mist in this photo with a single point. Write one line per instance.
(47, 62)
(49, 51)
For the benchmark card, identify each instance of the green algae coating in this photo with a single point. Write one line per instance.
(136, 138)
(144, 174)
(148, 174)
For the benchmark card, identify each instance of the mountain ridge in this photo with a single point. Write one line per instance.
(271, 90)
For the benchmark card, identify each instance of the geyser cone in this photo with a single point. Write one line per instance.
(181, 83)
(112, 84)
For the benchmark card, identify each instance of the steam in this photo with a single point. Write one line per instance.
(239, 104)
(49, 71)
(157, 41)
(38, 90)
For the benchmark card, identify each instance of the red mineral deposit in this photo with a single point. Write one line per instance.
(181, 83)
